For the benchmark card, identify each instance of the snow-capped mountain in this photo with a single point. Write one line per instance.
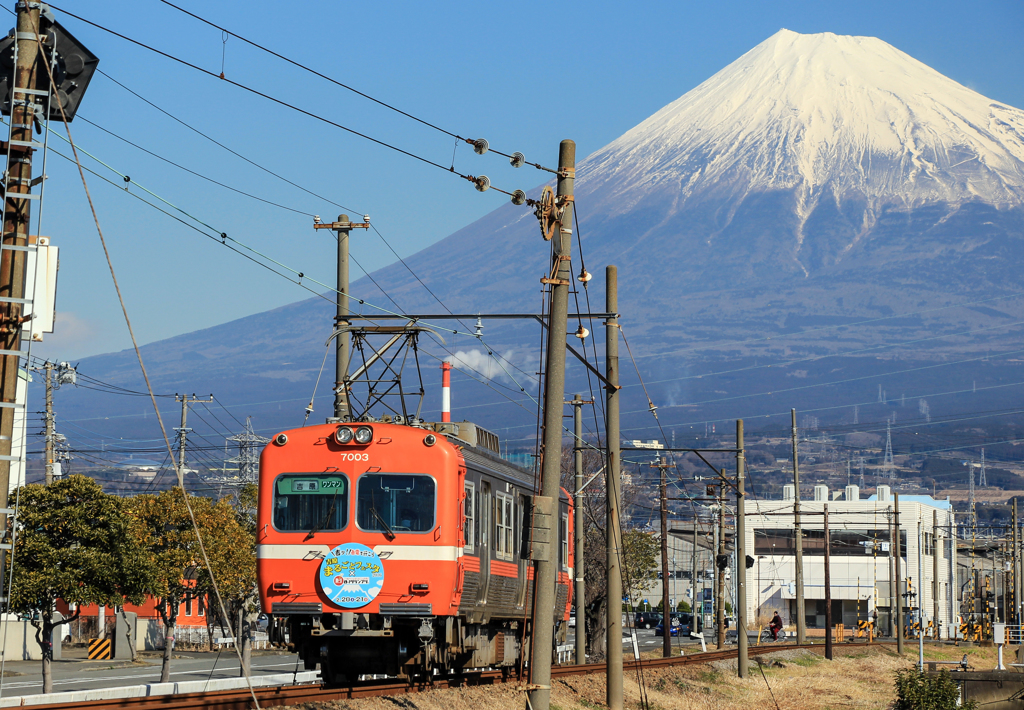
(817, 181)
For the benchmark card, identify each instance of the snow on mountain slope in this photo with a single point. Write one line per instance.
(825, 115)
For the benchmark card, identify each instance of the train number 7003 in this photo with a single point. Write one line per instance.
(355, 456)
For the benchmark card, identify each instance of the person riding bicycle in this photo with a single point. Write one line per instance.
(775, 626)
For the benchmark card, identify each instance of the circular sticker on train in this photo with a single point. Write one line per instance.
(351, 575)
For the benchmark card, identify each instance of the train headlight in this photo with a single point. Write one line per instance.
(364, 435)
(343, 435)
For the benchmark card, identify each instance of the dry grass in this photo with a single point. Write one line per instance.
(856, 678)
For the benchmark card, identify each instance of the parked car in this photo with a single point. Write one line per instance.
(646, 619)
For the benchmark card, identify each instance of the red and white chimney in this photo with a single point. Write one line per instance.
(446, 391)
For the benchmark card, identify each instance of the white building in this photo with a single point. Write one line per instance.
(861, 567)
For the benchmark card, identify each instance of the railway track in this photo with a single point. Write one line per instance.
(299, 694)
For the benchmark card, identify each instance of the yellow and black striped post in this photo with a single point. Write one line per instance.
(100, 649)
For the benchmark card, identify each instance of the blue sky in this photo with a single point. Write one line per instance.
(524, 76)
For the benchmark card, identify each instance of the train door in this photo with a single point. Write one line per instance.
(523, 553)
(486, 540)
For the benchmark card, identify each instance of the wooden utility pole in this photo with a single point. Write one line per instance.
(343, 343)
(899, 597)
(579, 592)
(801, 618)
(828, 592)
(742, 661)
(25, 95)
(48, 418)
(666, 607)
(545, 522)
(613, 532)
(720, 576)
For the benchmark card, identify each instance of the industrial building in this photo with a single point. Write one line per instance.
(861, 563)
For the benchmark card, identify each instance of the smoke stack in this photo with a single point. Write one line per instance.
(446, 391)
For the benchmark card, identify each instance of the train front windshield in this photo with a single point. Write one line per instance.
(310, 503)
(388, 502)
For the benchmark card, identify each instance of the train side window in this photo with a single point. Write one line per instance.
(504, 535)
(565, 542)
(469, 511)
(310, 501)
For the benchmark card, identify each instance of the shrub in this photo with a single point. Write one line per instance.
(919, 691)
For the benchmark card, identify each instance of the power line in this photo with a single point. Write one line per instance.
(193, 172)
(343, 86)
(471, 178)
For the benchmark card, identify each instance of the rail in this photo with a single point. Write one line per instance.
(285, 694)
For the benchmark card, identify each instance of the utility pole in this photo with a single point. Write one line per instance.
(801, 619)
(828, 592)
(578, 543)
(15, 244)
(920, 600)
(720, 576)
(899, 598)
(666, 640)
(183, 431)
(613, 622)
(49, 419)
(546, 509)
(1015, 565)
(343, 343)
(893, 586)
(935, 574)
(742, 661)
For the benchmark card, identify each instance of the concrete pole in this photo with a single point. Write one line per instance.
(579, 593)
(546, 565)
(897, 561)
(666, 639)
(720, 577)
(182, 439)
(935, 574)
(1015, 566)
(742, 661)
(48, 374)
(954, 579)
(801, 617)
(828, 591)
(27, 73)
(343, 342)
(920, 600)
(613, 492)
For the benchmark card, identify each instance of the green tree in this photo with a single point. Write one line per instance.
(73, 542)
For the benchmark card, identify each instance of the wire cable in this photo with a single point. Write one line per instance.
(340, 84)
(142, 366)
(280, 102)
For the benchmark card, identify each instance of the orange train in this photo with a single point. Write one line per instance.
(402, 550)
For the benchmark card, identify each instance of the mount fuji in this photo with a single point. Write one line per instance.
(822, 195)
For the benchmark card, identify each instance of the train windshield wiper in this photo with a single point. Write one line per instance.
(323, 521)
(388, 531)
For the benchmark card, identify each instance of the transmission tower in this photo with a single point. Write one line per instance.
(981, 479)
(888, 467)
(248, 459)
